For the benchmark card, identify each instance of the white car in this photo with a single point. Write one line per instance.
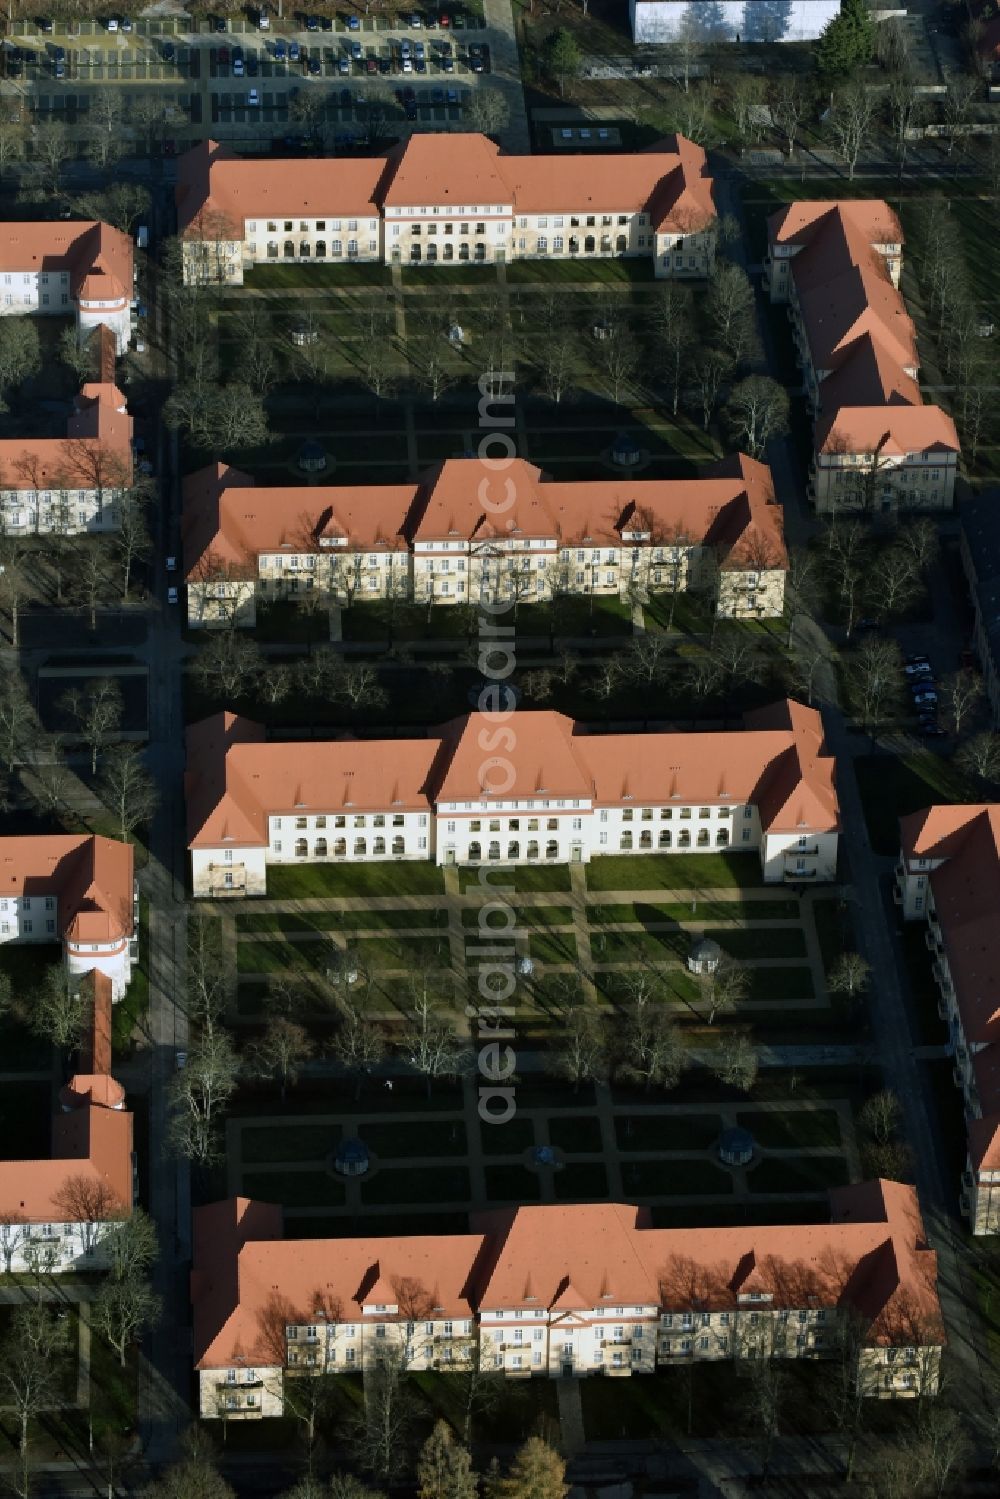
(171, 564)
(238, 67)
(112, 24)
(140, 345)
(253, 99)
(172, 595)
(263, 21)
(407, 64)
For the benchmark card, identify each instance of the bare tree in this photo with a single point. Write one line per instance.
(724, 987)
(619, 358)
(735, 1063)
(757, 410)
(906, 110)
(20, 731)
(705, 379)
(14, 1232)
(200, 1093)
(281, 1052)
(96, 711)
(132, 539)
(56, 1012)
(51, 152)
(730, 310)
(675, 330)
(745, 92)
(130, 1244)
(358, 1045)
(849, 976)
(581, 1056)
(557, 364)
(875, 682)
(788, 105)
(850, 122)
(228, 666)
(881, 1115)
(33, 1356)
(123, 1310)
(379, 1436)
(980, 757)
(894, 582)
(652, 1049)
(429, 1042)
(960, 96)
(92, 1204)
(127, 789)
(489, 112)
(961, 694)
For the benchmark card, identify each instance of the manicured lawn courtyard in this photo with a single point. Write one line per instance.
(299, 881)
(673, 872)
(798, 1128)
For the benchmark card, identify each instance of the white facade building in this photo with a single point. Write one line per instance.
(767, 790)
(710, 22)
(69, 267)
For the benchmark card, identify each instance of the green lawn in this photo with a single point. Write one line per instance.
(265, 1145)
(693, 910)
(780, 983)
(527, 916)
(802, 1128)
(576, 1134)
(335, 277)
(333, 921)
(512, 1184)
(581, 1181)
(294, 1189)
(674, 1179)
(423, 1137)
(559, 272)
(803, 1174)
(416, 1184)
(892, 786)
(674, 872)
(636, 1132)
(507, 1139)
(552, 947)
(524, 879)
(300, 881)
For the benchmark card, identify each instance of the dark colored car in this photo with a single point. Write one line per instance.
(315, 66)
(169, 52)
(219, 23)
(384, 65)
(312, 23)
(253, 66)
(411, 109)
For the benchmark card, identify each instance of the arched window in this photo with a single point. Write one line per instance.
(304, 248)
(480, 250)
(432, 252)
(621, 244)
(449, 252)
(398, 846)
(320, 849)
(495, 851)
(301, 848)
(703, 838)
(379, 846)
(360, 848)
(340, 848)
(645, 839)
(588, 244)
(475, 853)
(664, 837)
(722, 838)
(289, 250)
(532, 850)
(414, 252)
(320, 249)
(626, 840)
(514, 850)
(684, 839)
(552, 849)
(463, 252)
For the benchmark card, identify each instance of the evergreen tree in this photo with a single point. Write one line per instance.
(444, 1470)
(848, 41)
(538, 1472)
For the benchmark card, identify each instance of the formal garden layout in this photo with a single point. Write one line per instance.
(338, 949)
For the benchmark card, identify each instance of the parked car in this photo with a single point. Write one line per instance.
(925, 696)
(59, 69)
(353, 23)
(237, 67)
(172, 597)
(343, 64)
(326, 22)
(444, 20)
(448, 64)
(294, 52)
(111, 24)
(263, 21)
(169, 52)
(126, 25)
(315, 67)
(280, 51)
(171, 564)
(219, 23)
(416, 21)
(418, 51)
(45, 25)
(223, 55)
(312, 23)
(357, 51)
(371, 65)
(453, 96)
(253, 66)
(437, 96)
(407, 64)
(253, 99)
(411, 109)
(384, 66)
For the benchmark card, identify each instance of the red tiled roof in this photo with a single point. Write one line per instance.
(91, 1145)
(91, 875)
(96, 451)
(248, 1284)
(76, 246)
